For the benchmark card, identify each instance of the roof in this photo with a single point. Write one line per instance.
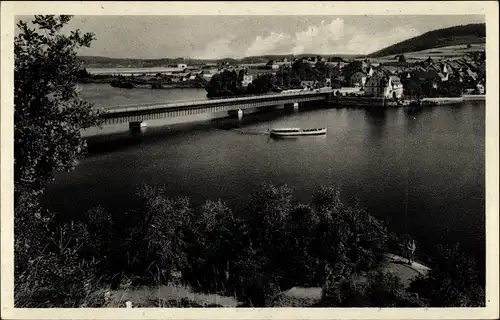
(336, 59)
(454, 65)
(390, 69)
(364, 73)
(433, 75)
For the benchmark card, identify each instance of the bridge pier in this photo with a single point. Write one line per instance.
(294, 107)
(137, 126)
(236, 113)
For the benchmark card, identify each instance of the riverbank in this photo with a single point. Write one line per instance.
(455, 100)
(175, 295)
(368, 102)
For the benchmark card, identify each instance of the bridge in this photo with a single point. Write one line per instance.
(136, 115)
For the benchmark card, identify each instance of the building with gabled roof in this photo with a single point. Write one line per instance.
(383, 85)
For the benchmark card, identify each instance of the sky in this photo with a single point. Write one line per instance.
(214, 37)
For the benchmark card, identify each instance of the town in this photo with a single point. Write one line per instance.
(391, 79)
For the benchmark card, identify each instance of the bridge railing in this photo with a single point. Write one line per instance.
(152, 106)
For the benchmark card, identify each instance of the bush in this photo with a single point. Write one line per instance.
(453, 281)
(59, 276)
(303, 244)
(158, 229)
(347, 239)
(379, 290)
(214, 244)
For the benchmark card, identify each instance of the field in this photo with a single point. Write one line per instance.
(444, 53)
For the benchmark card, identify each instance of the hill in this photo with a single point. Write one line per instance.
(105, 62)
(453, 36)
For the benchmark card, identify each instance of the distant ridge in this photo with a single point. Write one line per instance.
(458, 35)
(106, 62)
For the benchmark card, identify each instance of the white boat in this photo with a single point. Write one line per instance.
(286, 132)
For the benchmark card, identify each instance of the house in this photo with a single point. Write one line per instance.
(428, 61)
(307, 84)
(246, 80)
(471, 74)
(271, 64)
(371, 71)
(480, 88)
(389, 69)
(444, 76)
(337, 62)
(380, 85)
(182, 66)
(358, 79)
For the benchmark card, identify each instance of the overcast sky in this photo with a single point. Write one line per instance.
(237, 36)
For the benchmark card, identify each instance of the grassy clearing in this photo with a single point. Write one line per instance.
(450, 52)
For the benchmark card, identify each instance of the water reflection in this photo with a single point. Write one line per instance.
(413, 110)
(376, 119)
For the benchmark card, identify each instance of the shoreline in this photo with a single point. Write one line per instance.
(144, 295)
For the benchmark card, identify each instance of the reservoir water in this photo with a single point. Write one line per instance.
(437, 154)
(104, 95)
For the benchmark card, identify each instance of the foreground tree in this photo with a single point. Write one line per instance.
(49, 114)
(48, 117)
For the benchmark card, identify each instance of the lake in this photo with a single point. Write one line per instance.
(103, 95)
(436, 154)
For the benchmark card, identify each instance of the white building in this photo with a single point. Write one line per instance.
(182, 66)
(246, 80)
(307, 84)
(480, 88)
(384, 86)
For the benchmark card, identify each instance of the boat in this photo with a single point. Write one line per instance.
(287, 132)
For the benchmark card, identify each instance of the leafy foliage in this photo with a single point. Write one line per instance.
(58, 275)
(303, 244)
(262, 84)
(351, 69)
(48, 112)
(453, 281)
(378, 289)
(48, 117)
(226, 83)
(215, 242)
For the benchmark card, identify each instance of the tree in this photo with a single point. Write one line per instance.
(214, 245)
(262, 84)
(48, 117)
(351, 69)
(48, 111)
(401, 58)
(347, 239)
(454, 280)
(160, 227)
(226, 83)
